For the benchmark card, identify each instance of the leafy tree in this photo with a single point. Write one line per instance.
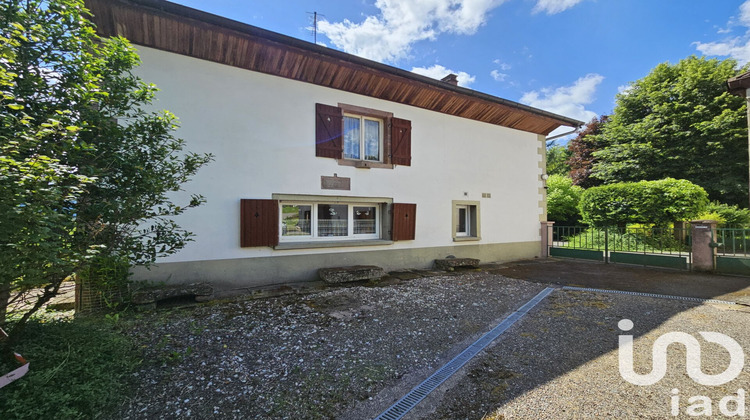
(679, 121)
(562, 200)
(660, 202)
(557, 159)
(582, 148)
(86, 170)
(727, 215)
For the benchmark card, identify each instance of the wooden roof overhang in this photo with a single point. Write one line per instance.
(178, 29)
(738, 85)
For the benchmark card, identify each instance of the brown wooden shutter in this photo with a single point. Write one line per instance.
(329, 131)
(400, 142)
(259, 222)
(404, 222)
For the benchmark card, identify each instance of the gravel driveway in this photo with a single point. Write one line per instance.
(311, 356)
(351, 352)
(561, 362)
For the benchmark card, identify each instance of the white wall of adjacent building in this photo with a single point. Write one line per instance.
(261, 130)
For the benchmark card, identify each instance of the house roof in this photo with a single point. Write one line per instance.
(739, 84)
(175, 28)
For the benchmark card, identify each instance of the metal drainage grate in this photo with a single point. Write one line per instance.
(653, 295)
(416, 395)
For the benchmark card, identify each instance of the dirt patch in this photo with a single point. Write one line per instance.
(485, 383)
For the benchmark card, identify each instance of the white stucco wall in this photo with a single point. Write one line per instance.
(261, 130)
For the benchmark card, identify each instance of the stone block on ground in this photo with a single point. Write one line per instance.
(337, 275)
(450, 264)
(148, 296)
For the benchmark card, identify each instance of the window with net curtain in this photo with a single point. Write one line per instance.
(363, 138)
(328, 220)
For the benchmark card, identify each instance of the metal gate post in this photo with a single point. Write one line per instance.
(606, 245)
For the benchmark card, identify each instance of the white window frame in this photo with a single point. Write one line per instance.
(281, 223)
(362, 119)
(467, 220)
(472, 221)
(314, 222)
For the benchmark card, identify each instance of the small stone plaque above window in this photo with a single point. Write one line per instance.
(335, 183)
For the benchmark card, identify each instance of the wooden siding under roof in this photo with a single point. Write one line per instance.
(739, 84)
(178, 29)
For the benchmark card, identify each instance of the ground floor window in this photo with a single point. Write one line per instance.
(465, 220)
(329, 221)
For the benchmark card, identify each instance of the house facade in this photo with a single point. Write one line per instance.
(324, 159)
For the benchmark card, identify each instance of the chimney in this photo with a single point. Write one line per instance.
(451, 79)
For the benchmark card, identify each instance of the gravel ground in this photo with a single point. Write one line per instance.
(311, 356)
(561, 361)
(349, 353)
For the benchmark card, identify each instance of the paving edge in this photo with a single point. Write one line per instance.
(653, 295)
(421, 391)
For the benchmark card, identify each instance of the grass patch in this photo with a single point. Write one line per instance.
(629, 240)
(79, 368)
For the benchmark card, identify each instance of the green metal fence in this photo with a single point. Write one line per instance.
(733, 250)
(644, 245)
(733, 242)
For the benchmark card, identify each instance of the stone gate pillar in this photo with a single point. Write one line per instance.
(547, 237)
(704, 255)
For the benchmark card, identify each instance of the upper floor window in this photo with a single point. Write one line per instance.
(363, 137)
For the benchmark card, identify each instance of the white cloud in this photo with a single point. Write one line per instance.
(503, 66)
(499, 77)
(735, 47)
(745, 13)
(552, 7)
(624, 88)
(390, 35)
(438, 72)
(570, 100)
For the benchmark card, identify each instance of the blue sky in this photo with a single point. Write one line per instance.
(565, 56)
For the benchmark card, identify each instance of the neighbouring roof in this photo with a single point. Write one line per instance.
(171, 27)
(738, 85)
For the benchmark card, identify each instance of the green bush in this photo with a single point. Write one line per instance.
(727, 215)
(562, 200)
(659, 202)
(628, 240)
(78, 369)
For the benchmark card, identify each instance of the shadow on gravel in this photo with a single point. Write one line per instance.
(561, 360)
(568, 272)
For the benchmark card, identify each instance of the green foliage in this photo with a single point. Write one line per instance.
(78, 369)
(679, 121)
(557, 160)
(630, 239)
(658, 202)
(727, 215)
(87, 170)
(562, 200)
(582, 149)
